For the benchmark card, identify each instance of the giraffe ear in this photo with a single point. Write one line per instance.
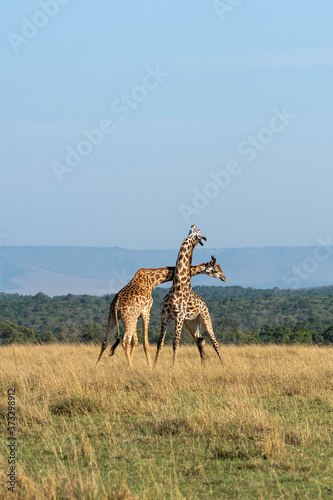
(213, 260)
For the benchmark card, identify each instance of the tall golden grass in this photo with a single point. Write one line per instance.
(252, 429)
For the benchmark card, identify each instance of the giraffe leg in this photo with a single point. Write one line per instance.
(193, 327)
(178, 330)
(114, 346)
(129, 339)
(145, 323)
(134, 343)
(127, 348)
(164, 324)
(207, 323)
(110, 327)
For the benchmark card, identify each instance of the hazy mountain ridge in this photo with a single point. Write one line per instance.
(96, 270)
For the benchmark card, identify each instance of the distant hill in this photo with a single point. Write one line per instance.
(98, 271)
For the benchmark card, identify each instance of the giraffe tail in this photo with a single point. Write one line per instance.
(112, 321)
(102, 348)
(114, 346)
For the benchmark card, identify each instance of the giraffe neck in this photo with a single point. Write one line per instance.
(199, 269)
(160, 275)
(155, 277)
(182, 278)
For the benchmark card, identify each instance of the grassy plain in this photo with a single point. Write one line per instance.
(261, 427)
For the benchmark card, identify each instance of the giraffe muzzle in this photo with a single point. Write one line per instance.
(202, 238)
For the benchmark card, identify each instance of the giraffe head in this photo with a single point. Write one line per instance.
(213, 270)
(196, 235)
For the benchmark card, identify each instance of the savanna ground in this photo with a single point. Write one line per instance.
(261, 427)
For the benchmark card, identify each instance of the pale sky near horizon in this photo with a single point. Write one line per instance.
(213, 113)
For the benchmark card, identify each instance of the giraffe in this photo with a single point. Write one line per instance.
(135, 300)
(182, 304)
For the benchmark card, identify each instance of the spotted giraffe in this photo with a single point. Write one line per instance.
(135, 301)
(182, 304)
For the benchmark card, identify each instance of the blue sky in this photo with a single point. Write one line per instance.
(117, 119)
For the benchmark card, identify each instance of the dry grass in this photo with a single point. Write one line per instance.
(259, 428)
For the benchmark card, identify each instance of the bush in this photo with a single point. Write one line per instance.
(10, 332)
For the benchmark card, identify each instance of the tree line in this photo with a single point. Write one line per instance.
(239, 316)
